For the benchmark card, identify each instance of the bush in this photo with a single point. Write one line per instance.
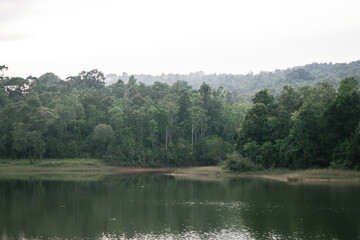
(236, 162)
(341, 156)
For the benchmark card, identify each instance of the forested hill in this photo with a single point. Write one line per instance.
(251, 83)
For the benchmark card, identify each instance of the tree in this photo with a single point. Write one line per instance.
(184, 104)
(289, 99)
(84, 80)
(169, 104)
(217, 150)
(41, 119)
(2, 69)
(348, 85)
(153, 130)
(263, 97)
(16, 88)
(183, 112)
(21, 138)
(297, 75)
(132, 86)
(118, 89)
(102, 136)
(198, 120)
(116, 117)
(354, 147)
(302, 148)
(341, 117)
(254, 127)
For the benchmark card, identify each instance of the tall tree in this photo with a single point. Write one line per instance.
(102, 136)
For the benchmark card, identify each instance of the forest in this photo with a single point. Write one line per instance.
(311, 127)
(243, 85)
(124, 124)
(130, 123)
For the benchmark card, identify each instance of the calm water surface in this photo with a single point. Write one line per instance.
(163, 207)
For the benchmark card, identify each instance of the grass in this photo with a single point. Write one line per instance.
(57, 176)
(286, 175)
(328, 174)
(54, 165)
(83, 168)
(72, 169)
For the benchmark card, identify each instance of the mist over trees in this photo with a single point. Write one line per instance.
(250, 83)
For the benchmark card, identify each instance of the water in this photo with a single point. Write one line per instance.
(150, 206)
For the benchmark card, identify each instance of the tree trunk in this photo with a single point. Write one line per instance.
(192, 137)
(34, 152)
(75, 118)
(171, 128)
(166, 137)
(28, 149)
(40, 151)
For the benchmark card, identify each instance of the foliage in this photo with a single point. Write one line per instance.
(130, 123)
(236, 162)
(248, 84)
(124, 124)
(310, 127)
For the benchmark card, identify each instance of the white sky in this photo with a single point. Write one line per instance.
(174, 36)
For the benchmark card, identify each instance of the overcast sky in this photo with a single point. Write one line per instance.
(170, 36)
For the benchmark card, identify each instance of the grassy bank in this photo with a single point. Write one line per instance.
(285, 175)
(54, 165)
(312, 175)
(79, 168)
(74, 169)
(57, 176)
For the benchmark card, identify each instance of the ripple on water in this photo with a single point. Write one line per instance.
(190, 234)
(235, 205)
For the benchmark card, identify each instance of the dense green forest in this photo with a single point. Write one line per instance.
(130, 123)
(127, 124)
(306, 128)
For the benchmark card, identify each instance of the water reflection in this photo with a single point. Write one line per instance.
(149, 206)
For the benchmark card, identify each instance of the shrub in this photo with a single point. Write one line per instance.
(236, 162)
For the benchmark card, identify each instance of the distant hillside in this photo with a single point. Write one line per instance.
(250, 83)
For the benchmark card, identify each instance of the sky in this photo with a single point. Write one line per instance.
(174, 36)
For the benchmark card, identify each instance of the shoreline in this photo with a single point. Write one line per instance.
(94, 166)
(282, 175)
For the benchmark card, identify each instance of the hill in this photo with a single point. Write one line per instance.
(250, 83)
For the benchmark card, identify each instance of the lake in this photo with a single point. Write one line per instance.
(154, 206)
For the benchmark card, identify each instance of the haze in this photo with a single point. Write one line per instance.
(159, 36)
